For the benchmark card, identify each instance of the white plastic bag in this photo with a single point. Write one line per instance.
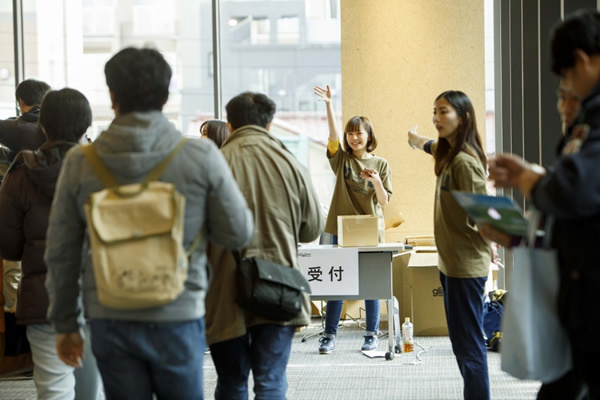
(534, 344)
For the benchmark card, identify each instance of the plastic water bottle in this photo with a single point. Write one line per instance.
(407, 336)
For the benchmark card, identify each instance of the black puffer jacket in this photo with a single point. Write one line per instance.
(25, 199)
(22, 133)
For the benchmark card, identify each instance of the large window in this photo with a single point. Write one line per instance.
(281, 48)
(7, 62)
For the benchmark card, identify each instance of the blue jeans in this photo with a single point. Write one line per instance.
(463, 300)
(334, 313)
(137, 359)
(264, 349)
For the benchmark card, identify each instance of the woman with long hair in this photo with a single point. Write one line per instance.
(464, 256)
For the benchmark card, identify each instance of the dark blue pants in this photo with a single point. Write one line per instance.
(136, 359)
(463, 300)
(334, 313)
(264, 349)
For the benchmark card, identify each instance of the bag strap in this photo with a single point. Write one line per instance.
(195, 244)
(157, 171)
(108, 178)
(535, 229)
(238, 257)
(99, 167)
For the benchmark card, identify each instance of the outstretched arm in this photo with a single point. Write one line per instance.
(326, 95)
(417, 141)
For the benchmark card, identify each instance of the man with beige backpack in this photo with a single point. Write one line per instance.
(127, 209)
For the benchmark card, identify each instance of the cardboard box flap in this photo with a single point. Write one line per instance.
(425, 249)
(423, 259)
(426, 240)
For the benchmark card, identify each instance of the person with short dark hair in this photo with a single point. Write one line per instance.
(65, 116)
(23, 132)
(215, 130)
(570, 193)
(286, 211)
(30, 93)
(157, 350)
(25, 199)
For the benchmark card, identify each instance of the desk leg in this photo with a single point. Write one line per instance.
(389, 355)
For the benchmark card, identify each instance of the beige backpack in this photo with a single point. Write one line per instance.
(136, 237)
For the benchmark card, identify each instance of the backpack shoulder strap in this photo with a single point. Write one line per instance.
(109, 180)
(157, 171)
(99, 167)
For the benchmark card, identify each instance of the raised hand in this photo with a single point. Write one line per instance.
(323, 93)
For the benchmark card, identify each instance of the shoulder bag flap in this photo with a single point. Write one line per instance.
(284, 275)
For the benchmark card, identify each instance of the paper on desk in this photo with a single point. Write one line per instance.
(374, 353)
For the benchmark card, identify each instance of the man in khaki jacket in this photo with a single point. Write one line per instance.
(286, 211)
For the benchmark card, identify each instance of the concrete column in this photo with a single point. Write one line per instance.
(397, 57)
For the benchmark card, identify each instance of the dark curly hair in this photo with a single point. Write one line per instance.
(31, 92)
(138, 79)
(579, 30)
(250, 108)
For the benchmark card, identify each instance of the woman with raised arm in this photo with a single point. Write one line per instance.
(363, 186)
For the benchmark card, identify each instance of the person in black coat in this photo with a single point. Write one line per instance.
(23, 132)
(570, 192)
(25, 199)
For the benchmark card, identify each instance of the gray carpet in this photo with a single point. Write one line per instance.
(347, 374)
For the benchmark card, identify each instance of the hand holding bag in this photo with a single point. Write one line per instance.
(535, 345)
(270, 290)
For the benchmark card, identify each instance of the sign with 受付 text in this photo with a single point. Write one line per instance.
(330, 271)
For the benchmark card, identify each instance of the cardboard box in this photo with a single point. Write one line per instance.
(401, 284)
(357, 230)
(425, 240)
(427, 296)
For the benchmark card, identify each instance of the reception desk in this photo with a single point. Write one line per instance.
(374, 280)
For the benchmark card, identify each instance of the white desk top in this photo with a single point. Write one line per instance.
(380, 248)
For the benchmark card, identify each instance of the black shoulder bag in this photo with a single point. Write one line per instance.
(268, 289)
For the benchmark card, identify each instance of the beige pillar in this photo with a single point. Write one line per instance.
(397, 57)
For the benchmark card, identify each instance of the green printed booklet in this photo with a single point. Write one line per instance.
(502, 213)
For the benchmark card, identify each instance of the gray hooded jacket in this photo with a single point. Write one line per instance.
(132, 145)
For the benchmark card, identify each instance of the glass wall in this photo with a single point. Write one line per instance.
(7, 62)
(282, 48)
